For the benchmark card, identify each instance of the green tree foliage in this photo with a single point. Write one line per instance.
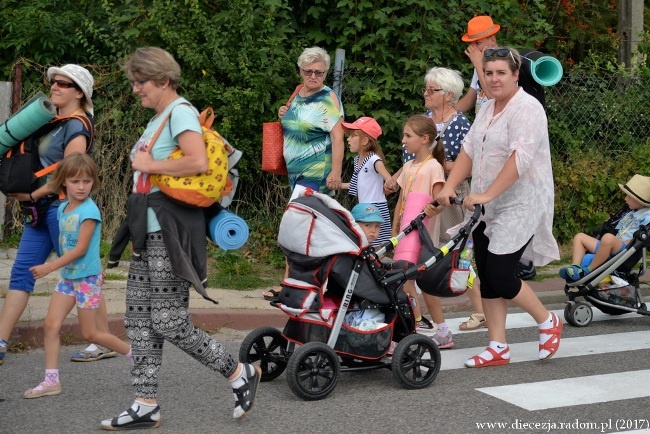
(240, 58)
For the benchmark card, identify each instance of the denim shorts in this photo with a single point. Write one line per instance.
(35, 246)
(87, 290)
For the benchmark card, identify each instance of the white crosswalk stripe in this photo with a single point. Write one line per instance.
(566, 392)
(573, 391)
(569, 347)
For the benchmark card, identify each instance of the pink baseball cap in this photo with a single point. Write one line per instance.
(366, 124)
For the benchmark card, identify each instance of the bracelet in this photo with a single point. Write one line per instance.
(31, 197)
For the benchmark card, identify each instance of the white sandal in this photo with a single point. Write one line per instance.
(475, 321)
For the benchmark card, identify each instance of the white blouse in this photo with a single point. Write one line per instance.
(525, 209)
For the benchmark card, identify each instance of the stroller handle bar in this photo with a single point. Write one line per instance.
(390, 245)
(413, 270)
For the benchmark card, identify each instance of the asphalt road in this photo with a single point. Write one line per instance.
(193, 399)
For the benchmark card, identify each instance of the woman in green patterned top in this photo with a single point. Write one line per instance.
(313, 135)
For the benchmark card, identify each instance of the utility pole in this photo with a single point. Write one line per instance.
(630, 29)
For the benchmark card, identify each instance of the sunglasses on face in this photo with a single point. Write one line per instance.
(64, 84)
(310, 72)
(500, 52)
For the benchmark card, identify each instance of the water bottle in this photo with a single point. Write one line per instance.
(466, 256)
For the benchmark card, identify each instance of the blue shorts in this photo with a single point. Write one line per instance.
(87, 290)
(36, 244)
(589, 257)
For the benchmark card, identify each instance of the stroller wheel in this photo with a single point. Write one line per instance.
(416, 361)
(578, 314)
(267, 346)
(313, 371)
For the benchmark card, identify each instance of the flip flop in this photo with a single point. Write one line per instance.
(553, 343)
(475, 321)
(272, 294)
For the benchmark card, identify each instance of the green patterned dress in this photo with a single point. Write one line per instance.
(307, 142)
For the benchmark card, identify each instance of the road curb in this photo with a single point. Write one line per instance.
(29, 335)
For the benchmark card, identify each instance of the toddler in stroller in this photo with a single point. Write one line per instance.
(603, 265)
(333, 271)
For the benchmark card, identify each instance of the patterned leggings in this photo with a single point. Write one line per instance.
(157, 304)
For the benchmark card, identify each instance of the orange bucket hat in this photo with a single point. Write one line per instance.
(479, 28)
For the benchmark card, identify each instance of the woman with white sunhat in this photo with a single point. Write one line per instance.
(71, 90)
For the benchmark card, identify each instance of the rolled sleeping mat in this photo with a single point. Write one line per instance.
(228, 230)
(35, 113)
(545, 70)
(409, 247)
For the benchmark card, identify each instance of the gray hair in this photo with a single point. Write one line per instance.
(449, 81)
(313, 55)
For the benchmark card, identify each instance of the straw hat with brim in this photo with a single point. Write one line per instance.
(81, 77)
(638, 188)
(480, 28)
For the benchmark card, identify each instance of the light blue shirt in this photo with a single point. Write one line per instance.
(631, 222)
(69, 225)
(184, 118)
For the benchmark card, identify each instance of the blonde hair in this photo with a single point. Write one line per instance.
(153, 63)
(424, 126)
(313, 55)
(71, 166)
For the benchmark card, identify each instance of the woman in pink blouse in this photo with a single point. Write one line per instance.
(506, 151)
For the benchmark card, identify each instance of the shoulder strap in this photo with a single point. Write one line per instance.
(293, 95)
(205, 119)
(89, 126)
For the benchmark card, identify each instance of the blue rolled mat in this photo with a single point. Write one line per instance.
(228, 230)
(35, 113)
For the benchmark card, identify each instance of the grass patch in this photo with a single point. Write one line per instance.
(114, 276)
(41, 294)
(239, 270)
(10, 240)
(543, 276)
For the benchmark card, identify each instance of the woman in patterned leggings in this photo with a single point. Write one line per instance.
(164, 266)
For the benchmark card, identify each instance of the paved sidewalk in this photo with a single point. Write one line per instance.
(239, 310)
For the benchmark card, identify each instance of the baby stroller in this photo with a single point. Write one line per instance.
(333, 272)
(613, 287)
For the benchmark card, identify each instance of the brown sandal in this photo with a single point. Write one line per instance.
(475, 321)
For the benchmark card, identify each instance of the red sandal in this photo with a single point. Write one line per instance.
(553, 343)
(497, 359)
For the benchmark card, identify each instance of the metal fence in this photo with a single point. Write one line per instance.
(609, 112)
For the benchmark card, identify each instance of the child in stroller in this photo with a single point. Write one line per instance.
(329, 260)
(603, 265)
(590, 252)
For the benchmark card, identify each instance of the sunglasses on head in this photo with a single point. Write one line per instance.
(64, 84)
(500, 52)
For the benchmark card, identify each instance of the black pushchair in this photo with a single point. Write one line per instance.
(614, 287)
(333, 272)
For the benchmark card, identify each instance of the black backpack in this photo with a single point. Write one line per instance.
(21, 168)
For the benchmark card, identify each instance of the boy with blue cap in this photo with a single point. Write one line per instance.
(369, 218)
